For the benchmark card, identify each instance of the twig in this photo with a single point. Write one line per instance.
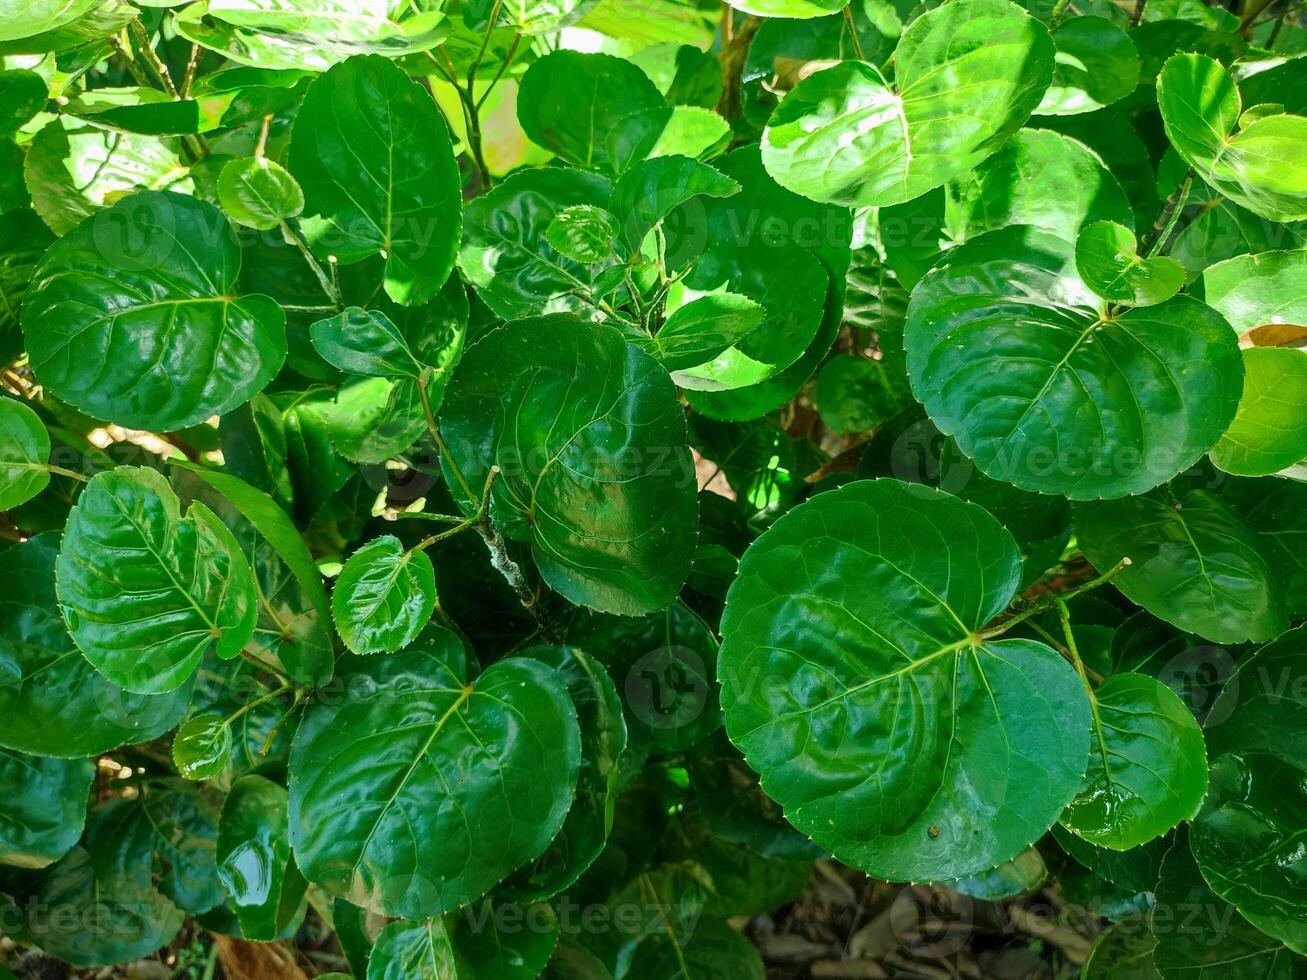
(1156, 238)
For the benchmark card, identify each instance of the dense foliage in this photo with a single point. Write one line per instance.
(467, 462)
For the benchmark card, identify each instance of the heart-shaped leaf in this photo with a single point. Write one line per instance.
(1254, 164)
(429, 786)
(1193, 563)
(1269, 431)
(1147, 765)
(52, 701)
(134, 316)
(966, 77)
(254, 859)
(147, 592)
(374, 157)
(24, 451)
(999, 730)
(1009, 353)
(590, 441)
(258, 193)
(594, 110)
(43, 808)
(1097, 64)
(384, 595)
(1109, 264)
(653, 189)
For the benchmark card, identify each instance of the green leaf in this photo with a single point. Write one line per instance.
(302, 34)
(52, 701)
(1147, 765)
(383, 596)
(254, 858)
(1010, 355)
(108, 918)
(593, 110)
(23, 237)
(1193, 563)
(365, 342)
(133, 316)
(998, 729)
(375, 160)
(22, 95)
(583, 233)
(259, 193)
(517, 950)
(506, 254)
(427, 788)
(140, 110)
(847, 136)
(653, 189)
(713, 950)
(300, 609)
(855, 394)
(201, 748)
(24, 450)
(1023, 873)
(1269, 431)
(73, 170)
(1123, 951)
(147, 592)
(375, 419)
(40, 16)
(43, 808)
(789, 8)
(1252, 164)
(413, 951)
(1096, 64)
(1262, 707)
(701, 329)
(1254, 290)
(1109, 264)
(603, 739)
(590, 442)
(1247, 841)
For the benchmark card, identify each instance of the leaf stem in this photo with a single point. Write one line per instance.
(296, 238)
(271, 695)
(272, 734)
(1138, 14)
(445, 455)
(1059, 11)
(1156, 238)
(483, 509)
(853, 32)
(1047, 602)
(50, 468)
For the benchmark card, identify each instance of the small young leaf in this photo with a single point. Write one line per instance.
(583, 233)
(259, 193)
(702, 328)
(24, 450)
(201, 749)
(653, 189)
(383, 596)
(147, 592)
(1109, 265)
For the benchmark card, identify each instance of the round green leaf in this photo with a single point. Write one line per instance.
(967, 749)
(594, 110)
(134, 316)
(425, 787)
(1269, 431)
(1193, 563)
(1097, 64)
(52, 701)
(1263, 707)
(796, 9)
(384, 595)
(258, 193)
(1147, 765)
(855, 394)
(147, 592)
(40, 16)
(1254, 290)
(201, 749)
(254, 859)
(1109, 264)
(374, 157)
(590, 441)
(413, 951)
(1023, 873)
(653, 189)
(43, 807)
(603, 739)
(1248, 841)
(74, 169)
(711, 950)
(583, 233)
(1256, 164)
(1011, 356)
(365, 342)
(376, 419)
(506, 253)
(966, 77)
(24, 450)
(107, 918)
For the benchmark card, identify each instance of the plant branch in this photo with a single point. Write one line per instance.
(1047, 601)
(296, 238)
(853, 32)
(1155, 240)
